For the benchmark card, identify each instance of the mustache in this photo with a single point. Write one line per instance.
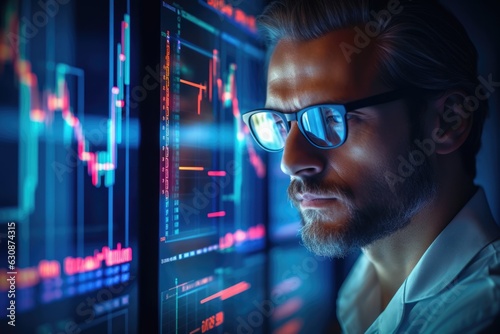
(317, 187)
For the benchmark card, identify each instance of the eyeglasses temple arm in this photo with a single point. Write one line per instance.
(376, 99)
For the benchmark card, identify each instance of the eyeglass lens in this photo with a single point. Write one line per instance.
(322, 125)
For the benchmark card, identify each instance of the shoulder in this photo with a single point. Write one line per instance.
(470, 304)
(467, 308)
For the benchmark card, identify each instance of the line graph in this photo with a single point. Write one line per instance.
(201, 89)
(38, 110)
(187, 304)
(200, 107)
(228, 292)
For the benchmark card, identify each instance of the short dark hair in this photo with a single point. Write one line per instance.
(419, 44)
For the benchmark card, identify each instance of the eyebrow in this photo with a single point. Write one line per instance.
(352, 105)
(327, 102)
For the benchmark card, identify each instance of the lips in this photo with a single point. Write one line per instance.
(309, 200)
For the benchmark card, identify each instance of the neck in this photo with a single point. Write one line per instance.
(395, 256)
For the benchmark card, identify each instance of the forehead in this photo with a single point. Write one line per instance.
(329, 68)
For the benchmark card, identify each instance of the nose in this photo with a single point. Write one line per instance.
(300, 158)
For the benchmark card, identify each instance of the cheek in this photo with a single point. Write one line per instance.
(372, 149)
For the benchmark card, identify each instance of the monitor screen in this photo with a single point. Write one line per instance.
(68, 141)
(212, 177)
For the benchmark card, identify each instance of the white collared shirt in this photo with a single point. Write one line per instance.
(454, 288)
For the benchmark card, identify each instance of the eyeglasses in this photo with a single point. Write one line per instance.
(324, 125)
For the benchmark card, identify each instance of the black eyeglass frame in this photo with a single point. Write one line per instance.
(343, 108)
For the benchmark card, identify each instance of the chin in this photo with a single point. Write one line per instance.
(325, 236)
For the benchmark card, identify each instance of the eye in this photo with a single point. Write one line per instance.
(332, 118)
(280, 125)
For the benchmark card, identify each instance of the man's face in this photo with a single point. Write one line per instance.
(342, 194)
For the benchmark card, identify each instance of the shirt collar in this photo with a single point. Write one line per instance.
(358, 304)
(474, 227)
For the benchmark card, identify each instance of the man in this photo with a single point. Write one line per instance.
(397, 82)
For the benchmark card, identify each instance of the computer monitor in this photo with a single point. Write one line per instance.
(212, 217)
(69, 141)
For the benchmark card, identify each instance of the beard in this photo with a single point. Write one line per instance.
(336, 233)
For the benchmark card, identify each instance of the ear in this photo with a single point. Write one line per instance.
(453, 122)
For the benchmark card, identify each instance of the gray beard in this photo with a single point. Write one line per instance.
(385, 213)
